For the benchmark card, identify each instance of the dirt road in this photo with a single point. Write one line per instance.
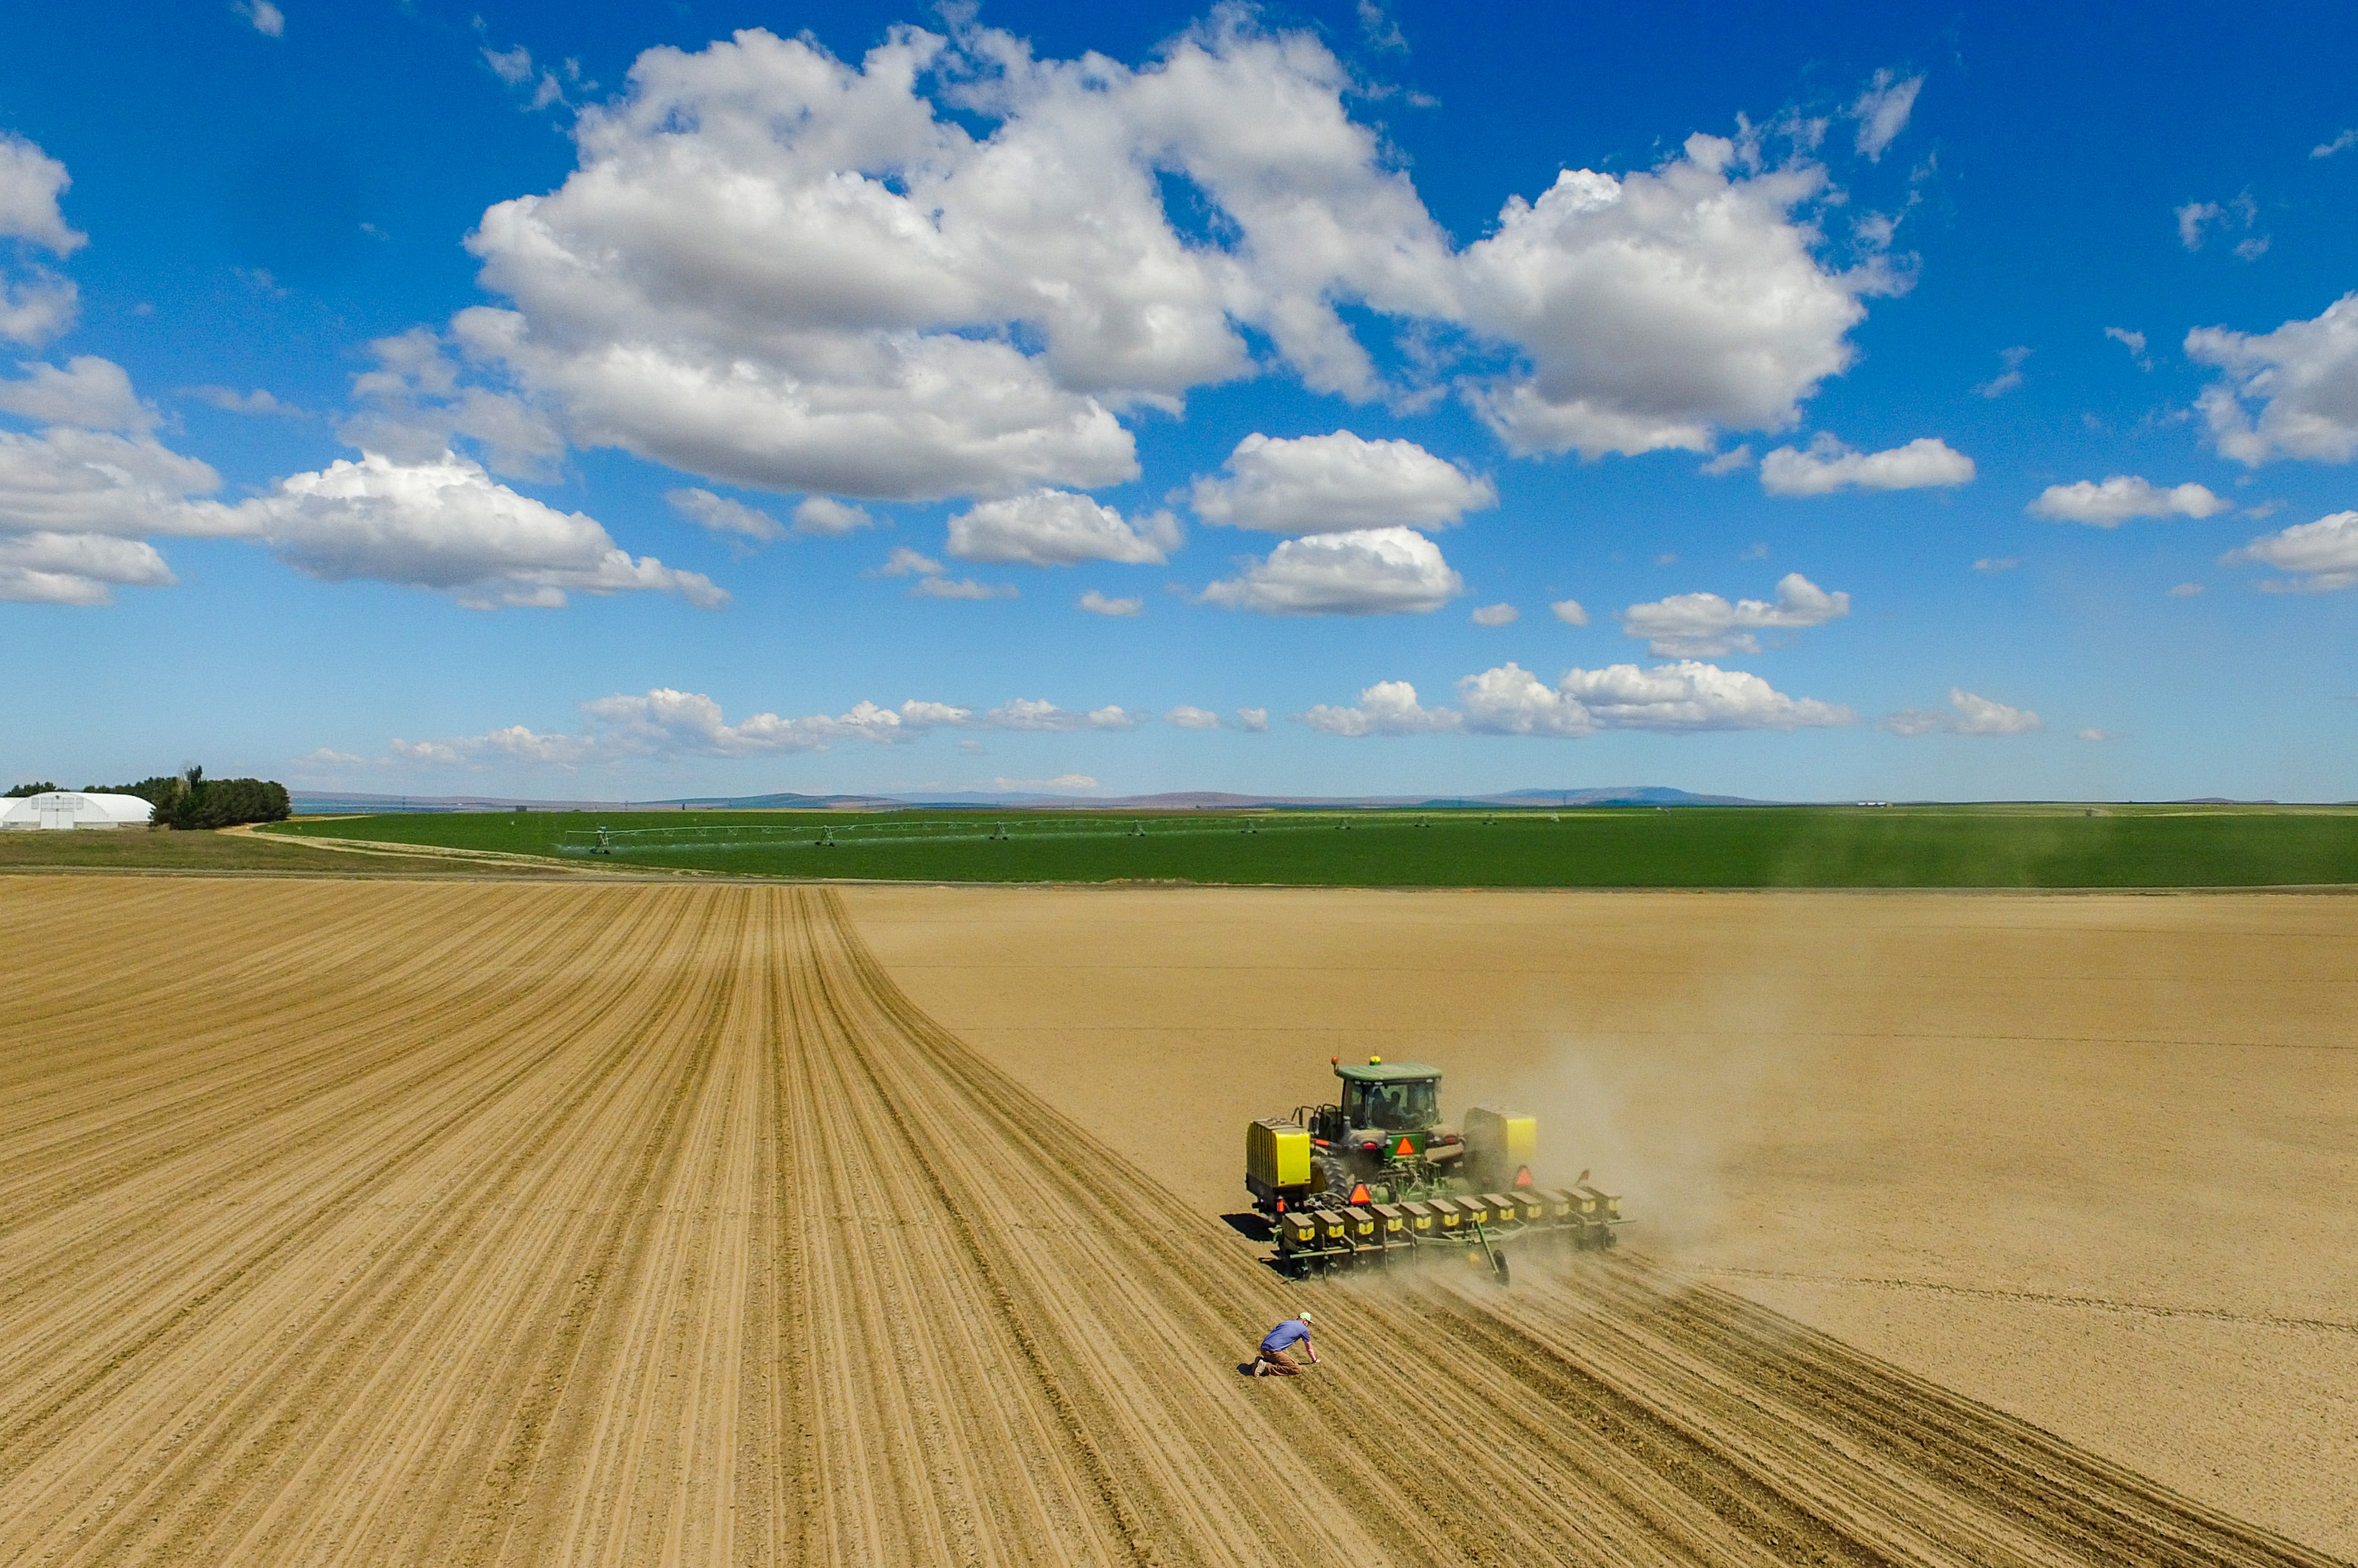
(469, 1224)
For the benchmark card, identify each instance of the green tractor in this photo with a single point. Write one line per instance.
(1378, 1177)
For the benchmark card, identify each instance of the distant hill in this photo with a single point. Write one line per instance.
(786, 802)
(325, 804)
(357, 803)
(1623, 794)
(1219, 800)
(1213, 800)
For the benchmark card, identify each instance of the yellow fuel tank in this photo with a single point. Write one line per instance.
(1500, 1143)
(1277, 1153)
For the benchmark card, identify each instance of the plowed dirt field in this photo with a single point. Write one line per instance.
(442, 1224)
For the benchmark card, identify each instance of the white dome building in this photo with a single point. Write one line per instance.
(69, 808)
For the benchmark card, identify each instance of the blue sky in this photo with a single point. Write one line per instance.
(633, 401)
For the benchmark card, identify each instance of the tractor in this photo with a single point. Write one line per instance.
(1378, 1178)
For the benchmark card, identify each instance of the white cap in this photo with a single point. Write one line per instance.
(1301, 1317)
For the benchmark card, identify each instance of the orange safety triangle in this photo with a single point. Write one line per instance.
(1359, 1193)
(1406, 1147)
(1522, 1175)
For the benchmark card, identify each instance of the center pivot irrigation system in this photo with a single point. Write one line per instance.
(872, 834)
(1379, 1179)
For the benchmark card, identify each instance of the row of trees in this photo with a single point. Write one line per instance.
(188, 799)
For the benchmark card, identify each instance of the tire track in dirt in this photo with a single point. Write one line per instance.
(217, 1160)
(231, 1057)
(2039, 1298)
(1864, 1468)
(644, 1224)
(203, 1350)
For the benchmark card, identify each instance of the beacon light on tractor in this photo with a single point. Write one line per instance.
(1380, 1178)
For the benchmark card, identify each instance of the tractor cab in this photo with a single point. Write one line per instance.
(1387, 1130)
(1396, 1097)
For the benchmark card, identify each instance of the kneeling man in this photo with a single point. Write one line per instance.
(1274, 1358)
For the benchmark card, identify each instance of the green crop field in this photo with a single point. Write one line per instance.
(1742, 847)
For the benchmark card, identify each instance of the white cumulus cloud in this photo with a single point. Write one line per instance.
(2134, 342)
(36, 303)
(1187, 717)
(788, 271)
(80, 499)
(906, 562)
(817, 515)
(722, 515)
(1657, 307)
(1569, 611)
(30, 183)
(88, 392)
(76, 568)
(2303, 377)
(1063, 783)
(2191, 217)
(1387, 708)
(2196, 218)
(90, 482)
(2010, 378)
(1253, 720)
(1058, 528)
(263, 17)
(1097, 603)
(824, 516)
(1037, 713)
(947, 269)
(230, 400)
(1968, 715)
(1827, 466)
(2122, 497)
(962, 587)
(1882, 111)
(931, 582)
(76, 505)
(1688, 696)
(1374, 571)
(1704, 625)
(415, 406)
(447, 526)
(1496, 615)
(665, 722)
(2323, 555)
(1338, 483)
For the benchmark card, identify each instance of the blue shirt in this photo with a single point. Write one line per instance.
(1286, 1334)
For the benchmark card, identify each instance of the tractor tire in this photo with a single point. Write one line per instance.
(1334, 1181)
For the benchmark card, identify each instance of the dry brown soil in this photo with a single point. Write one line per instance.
(2092, 1159)
(449, 1223)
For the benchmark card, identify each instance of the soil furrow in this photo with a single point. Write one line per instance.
(483, 1224)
